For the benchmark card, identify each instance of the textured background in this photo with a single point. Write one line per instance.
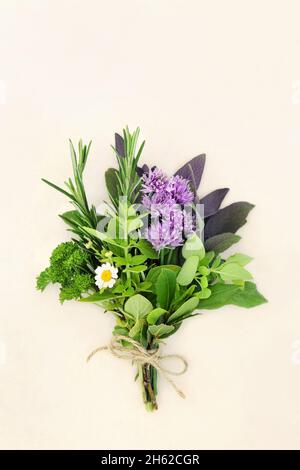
(216, 77)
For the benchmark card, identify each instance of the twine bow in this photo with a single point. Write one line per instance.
(140, 356)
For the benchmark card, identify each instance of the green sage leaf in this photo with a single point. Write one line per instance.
(233, 272)
(136, 329)
(153, 316)
(240, 259)
(186, 308)
(248, 296)
(188, 271)
(165, 288)
(193, 247)
(221, 294)
(160, 330)
(138, 306)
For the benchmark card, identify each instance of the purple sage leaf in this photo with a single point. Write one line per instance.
(119, 143)
(193, 170)
(221, 242)
(213, 200)
(229, 219)
(141, 170)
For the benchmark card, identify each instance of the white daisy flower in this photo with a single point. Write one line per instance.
(106, 275)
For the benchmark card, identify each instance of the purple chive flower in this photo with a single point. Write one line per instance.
(158, 189)
(164, 198)
(154, 181)
(170, 229)
(180, 190)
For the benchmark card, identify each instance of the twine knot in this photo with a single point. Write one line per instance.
(140, 356)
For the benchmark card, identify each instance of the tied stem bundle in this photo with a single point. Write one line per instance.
(141, 356)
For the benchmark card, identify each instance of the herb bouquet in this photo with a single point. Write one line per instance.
(151, 254)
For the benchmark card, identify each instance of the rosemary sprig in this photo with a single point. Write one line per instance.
(84, 215)
(126, 179)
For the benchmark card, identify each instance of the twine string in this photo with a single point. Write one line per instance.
(141, 356)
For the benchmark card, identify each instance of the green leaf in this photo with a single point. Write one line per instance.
(221, 242)
(165, 288)
(135, 269)
(95, 233)
(155, 315)
(152, 276)
(134, 224)
(136, 329)
(193, 247)
(119, 261)
(119, 288)
(170, 267)
(153, 273)
(229, 294)
(146, 249)
(99, 297)
(130, 291)
(115, 247)
(138, 306)
(144, 335)
(205, 293)
(145, 285)
(113, 228)
(184, 295)
(160, 330)
(221, 294)
(233, 272)
(248, 296)
(119, 330)
(59, 189)
(112, 184)
(43, 279)
(188, 271)
(138, 259)
(207, 258)
(72, 218)
(216, 262)
(240, 259)
(186, 308)
(203, 270)
(189, 315)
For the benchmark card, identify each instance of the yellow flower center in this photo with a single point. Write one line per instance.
(106, 275)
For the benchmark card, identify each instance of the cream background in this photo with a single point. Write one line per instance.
(196, 76)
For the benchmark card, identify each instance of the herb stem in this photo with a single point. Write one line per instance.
(161, 256)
